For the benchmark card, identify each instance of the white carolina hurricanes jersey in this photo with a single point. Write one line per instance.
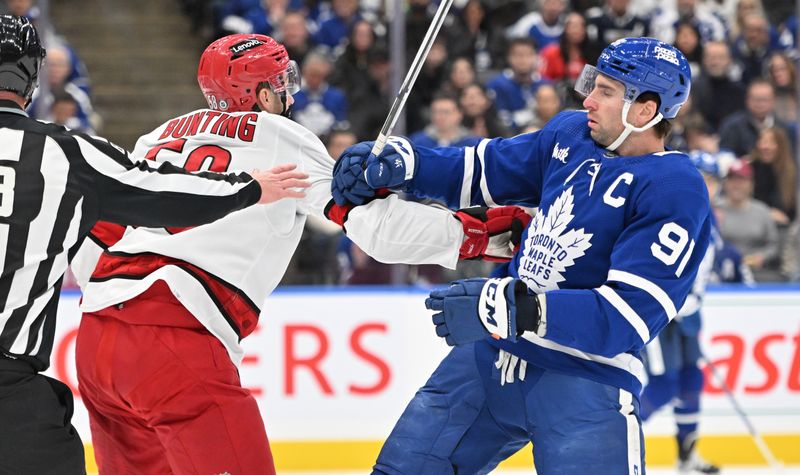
(222, 272)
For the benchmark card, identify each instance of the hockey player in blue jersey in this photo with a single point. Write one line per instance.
(672, 359)
(611, 255)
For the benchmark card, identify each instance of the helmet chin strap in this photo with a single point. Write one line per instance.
(630, 128)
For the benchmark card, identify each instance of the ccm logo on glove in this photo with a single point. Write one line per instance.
(489, 304)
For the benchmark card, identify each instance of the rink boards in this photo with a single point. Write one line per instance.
(333, 369)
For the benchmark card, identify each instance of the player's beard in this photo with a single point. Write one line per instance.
(287, 110)
(601, 137)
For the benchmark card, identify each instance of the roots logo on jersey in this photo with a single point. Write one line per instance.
(243, 46)
(560, 154)
(551, 248)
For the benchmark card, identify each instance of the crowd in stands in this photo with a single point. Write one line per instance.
(503, 68)
(64, 94)
(499, 68)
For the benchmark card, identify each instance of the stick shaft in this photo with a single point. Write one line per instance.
(760, 443)
(411, 77)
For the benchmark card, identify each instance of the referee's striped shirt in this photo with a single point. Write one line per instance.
(54, 185)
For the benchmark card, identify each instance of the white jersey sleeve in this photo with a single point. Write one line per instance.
(390, 230)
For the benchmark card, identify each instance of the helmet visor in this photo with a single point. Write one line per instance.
(585, 83)
(287, 81)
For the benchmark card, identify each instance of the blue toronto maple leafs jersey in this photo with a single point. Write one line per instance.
(614, 247)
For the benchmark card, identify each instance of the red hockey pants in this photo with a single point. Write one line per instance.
(164, 396)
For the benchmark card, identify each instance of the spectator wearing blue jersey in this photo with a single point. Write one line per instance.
(550, 354)
(612, 21)
(318, 106)
(249, 16)
(513, 89)
(544, 25)
(59, 68)
(754, 45)
(665, 21)
(788, 33)
(334, 26)
(672, 359)
(446, 128)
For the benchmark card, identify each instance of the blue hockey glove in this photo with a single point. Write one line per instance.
(394, 165)
(349, 186)
(472, 309)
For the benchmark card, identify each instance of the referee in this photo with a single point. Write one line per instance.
(54, 185)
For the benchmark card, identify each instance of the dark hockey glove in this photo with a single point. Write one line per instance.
(393, 166)
(472, 309)
(349, 186)
(492, 234)
(357, 173)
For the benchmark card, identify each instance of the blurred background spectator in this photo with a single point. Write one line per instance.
(58, 67)
(753, 45)
(747, 224)
(613, 21)
(717, 91)
(775, 175)
(446, 127)
(739, 131)
(318, 106)
(373, 100)
(293, 34)
(782, 74)
(563, 62)
(480, 116)
(335, 24)
(544, 25)
(513, 89)
(668, 16)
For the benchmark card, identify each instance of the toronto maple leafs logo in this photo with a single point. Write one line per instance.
(550, 248)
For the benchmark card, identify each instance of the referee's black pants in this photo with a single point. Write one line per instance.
(36, 436)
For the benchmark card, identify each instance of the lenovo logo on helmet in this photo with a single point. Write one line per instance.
(666, 54)
(239, 48)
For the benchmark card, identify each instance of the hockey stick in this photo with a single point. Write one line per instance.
(411, 77)
(760, 443)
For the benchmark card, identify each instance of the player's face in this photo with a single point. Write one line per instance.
(274, 103)
(604, 104)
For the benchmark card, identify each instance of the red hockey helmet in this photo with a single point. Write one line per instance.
(232, 67)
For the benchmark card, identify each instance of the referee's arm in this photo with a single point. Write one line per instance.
(136, 194)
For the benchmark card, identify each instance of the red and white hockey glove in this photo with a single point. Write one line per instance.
(338, 213)
(492, 234)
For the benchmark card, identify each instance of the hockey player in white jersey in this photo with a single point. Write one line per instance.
(621, 230)
(165, 309)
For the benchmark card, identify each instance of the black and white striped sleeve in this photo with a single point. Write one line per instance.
(134, 193)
